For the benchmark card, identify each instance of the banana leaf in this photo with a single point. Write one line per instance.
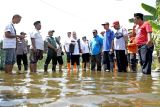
(154, 25)
(146, 18)
(150, 9)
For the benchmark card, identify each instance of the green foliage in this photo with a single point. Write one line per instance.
(149, 17)
(157, 47)
(150, 9)
(131, 20)
(155, 25)
(154, 19)
(146, 18)
(157, 3)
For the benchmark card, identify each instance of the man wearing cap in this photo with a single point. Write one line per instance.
(21, 52)
(37, 46)
(96, 44)
(120, 44)
(9, 43)
(52, 51)
(108, 53)
(143, 31)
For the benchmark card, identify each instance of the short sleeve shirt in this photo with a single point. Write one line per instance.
(21, 47)
(142, 32)
(9, 42)
(85, 47)
(39, 43)
(119, 42)
(66, 44)
(107, 40)
(96, 44)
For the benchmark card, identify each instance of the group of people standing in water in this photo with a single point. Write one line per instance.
(112, 47)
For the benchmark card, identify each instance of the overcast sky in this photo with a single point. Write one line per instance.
(69, 15)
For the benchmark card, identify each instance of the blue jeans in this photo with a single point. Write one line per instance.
(10, 58)
(145, 55)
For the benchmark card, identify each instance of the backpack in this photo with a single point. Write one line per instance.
(71, 48)
(79, 46)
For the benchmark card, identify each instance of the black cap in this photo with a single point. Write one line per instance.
(22, 33)
(36, 23)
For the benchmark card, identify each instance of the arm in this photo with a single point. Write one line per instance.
(125, 36)
(112, 47)
(134, 30)
(90, 45)
(52, 47)
(64, 49)
(101, 44)
(9, 35)
(112, 43)
(64, 46)
(150, 41)
(33, 44)
(149, 35)
(126, 40)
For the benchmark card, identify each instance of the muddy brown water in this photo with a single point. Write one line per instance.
(80, 89)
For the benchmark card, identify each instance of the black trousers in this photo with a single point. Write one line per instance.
(108, 59)
(133, 61)
(145, 55)
(22, 58)
(122, 62)
(53, 57)
(96, 60)
(75, 59)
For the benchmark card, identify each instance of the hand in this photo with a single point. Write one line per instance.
(21, 36)
(34, 49)
(102, 53)
(111, 51)
(149, 43)
(134, 26)
(55, 50)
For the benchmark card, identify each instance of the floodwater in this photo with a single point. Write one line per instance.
(80, 89)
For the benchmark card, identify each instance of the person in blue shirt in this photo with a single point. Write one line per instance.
(108, 54)
(96, 44)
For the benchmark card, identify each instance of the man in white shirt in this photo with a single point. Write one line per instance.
(85, 53)
(37, 46)
(9, 43)
(66, 49)
(75, 55)
(120, 44)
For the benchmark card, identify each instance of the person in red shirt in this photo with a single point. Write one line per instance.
(143, 31)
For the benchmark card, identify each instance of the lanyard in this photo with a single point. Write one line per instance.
(14, 29)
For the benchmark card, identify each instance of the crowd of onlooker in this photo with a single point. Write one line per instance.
(112, 49)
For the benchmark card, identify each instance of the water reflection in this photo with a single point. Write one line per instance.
(80, 89)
